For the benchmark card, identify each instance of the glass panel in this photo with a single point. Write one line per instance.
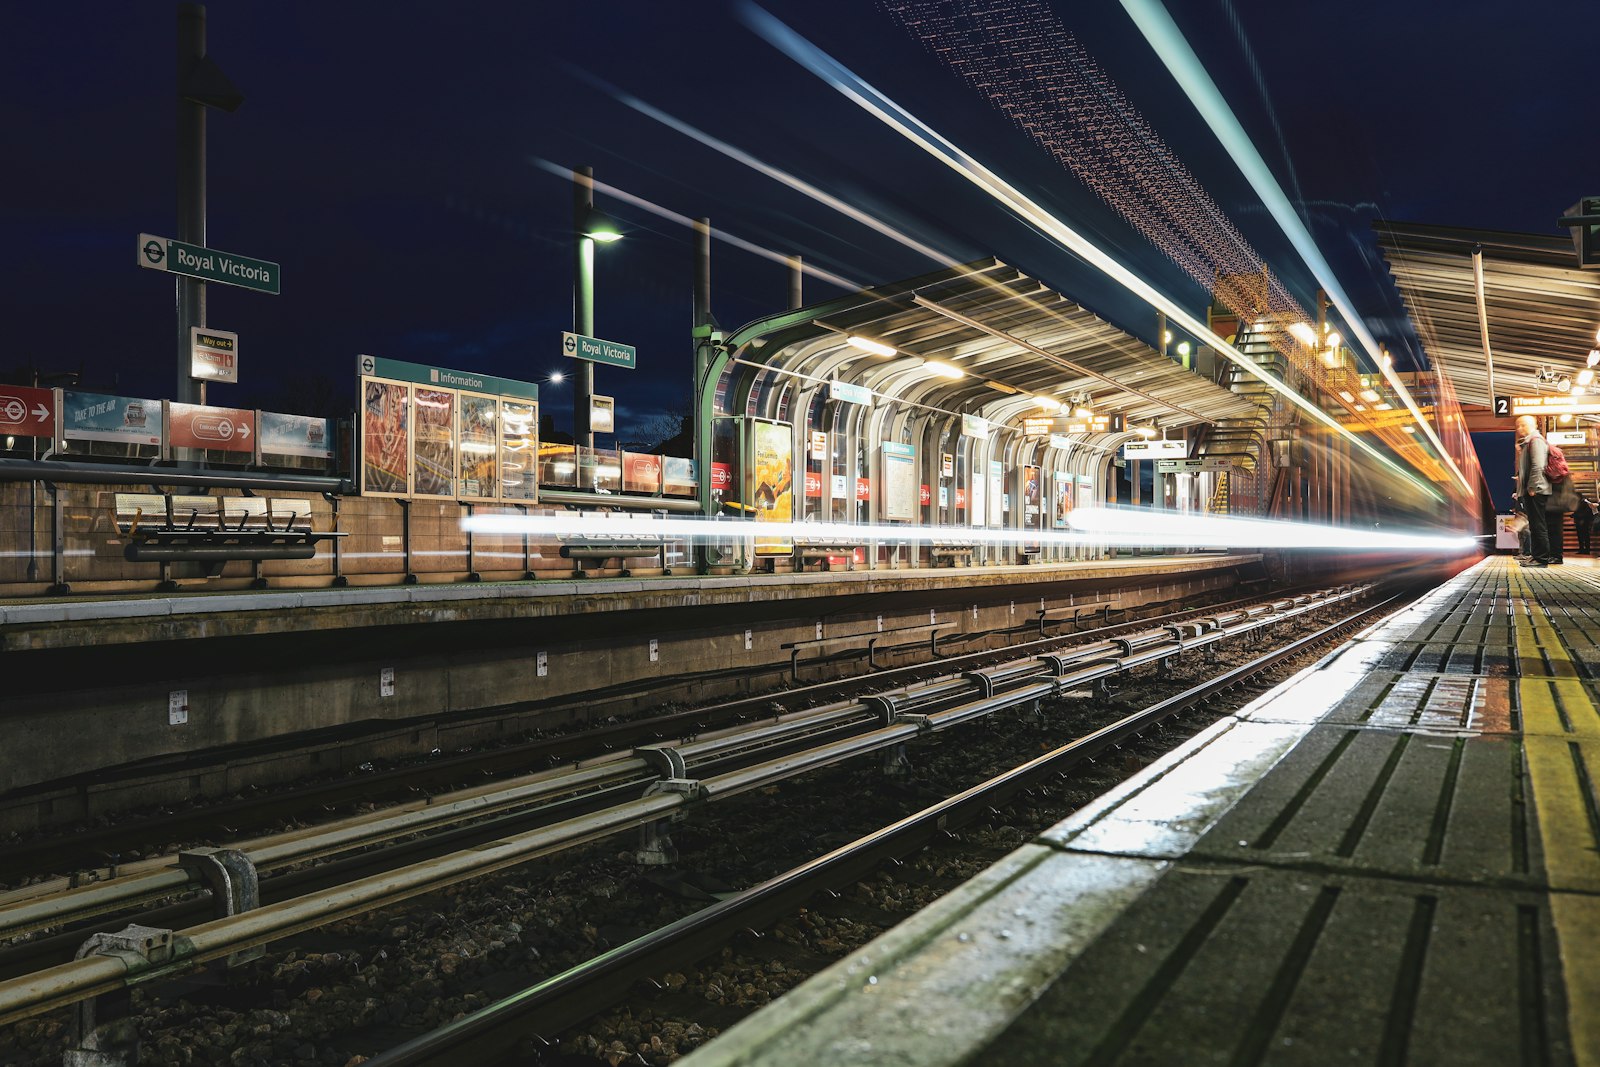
(433, 442)
(479, 445)
(385, 459)
(521, 459)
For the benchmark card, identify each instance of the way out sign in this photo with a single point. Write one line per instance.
(213, 355)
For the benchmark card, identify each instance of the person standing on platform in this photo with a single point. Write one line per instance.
(1533, 488)
(1583, 523)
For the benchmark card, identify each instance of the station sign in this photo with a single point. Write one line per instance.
(213, 355)
(850, 394)
(26, 412)
(208, 264)
(1567, 437)
(220, 429)
(602, 413)
(1554, 404)
(1061, 441)
(973, 426)
(426, 374)
(1190, 466)
(596, 350)
(1038, 425)
(1155, 449)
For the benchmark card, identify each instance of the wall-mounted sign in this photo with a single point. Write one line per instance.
(1567, 437)
(850, 394)
(973, 426)
(947, 465)
(213, 355)
(1060, 440)
(1038, 425)
(1558, 404)
(899, 482)
(1155, 450)
(427, 374)
(819, 444)
(26, 412)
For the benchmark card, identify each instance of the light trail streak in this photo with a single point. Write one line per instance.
(1091, 528)
(1169, 44)
(684, 220)
(919, 133)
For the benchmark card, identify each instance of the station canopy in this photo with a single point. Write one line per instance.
(1010, 337)
(1540, 310)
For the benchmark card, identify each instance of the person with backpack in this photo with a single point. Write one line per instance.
(1533, 488)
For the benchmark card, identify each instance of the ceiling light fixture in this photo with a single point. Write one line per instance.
(877, 348)
(943, 370)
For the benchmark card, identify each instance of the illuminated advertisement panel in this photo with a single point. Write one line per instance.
(519, 449)
(1063, 501)
(385, 438)
(433, 450)
(478, 437)
(899, 482)
(772, 462)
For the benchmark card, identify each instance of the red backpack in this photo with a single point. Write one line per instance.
(1555, 467)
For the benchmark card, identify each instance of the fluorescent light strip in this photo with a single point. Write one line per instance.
(919, 133)
(1168, 42)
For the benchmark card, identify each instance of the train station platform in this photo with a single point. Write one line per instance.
(1394, 857)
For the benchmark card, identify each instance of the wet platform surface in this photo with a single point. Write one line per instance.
(1393, 858)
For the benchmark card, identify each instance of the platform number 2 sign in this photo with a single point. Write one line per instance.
(1502, 407)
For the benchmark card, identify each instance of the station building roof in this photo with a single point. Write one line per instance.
(1012, 339)
(1539, 308)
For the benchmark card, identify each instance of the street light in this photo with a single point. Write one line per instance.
(589, 226)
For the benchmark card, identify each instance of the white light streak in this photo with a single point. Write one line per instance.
(1091, 528)
(919, 133)
(1180, 60)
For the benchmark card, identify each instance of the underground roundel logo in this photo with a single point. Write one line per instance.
(154, 252)
(368, 365)
(571, 344)
(13, 409)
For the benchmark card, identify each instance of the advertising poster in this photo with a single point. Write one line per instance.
(899, 482)
(1063, 501)
(479, 445)
(433, 453)
(385, 438)
(519, 449)
(772, 463)
(558, 465)
(641, 473)
(979, 512)
(118, 419)
(1032, 496)
(220, 429)
(294, 435)
(997, 493)
(1086, 491)
(677, 476)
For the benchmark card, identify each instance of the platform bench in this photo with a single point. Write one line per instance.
(818, 551)
(168, 528)
(621, 548)
(951, 553)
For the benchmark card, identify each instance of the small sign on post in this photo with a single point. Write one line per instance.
(208, 264)
(595, 350)
(214, 355)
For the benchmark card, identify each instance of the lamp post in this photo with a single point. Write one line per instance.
(588, 227)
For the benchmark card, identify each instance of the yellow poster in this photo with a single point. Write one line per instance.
(772, 445)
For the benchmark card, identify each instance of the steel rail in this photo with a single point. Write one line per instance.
(67, 983)
(564, 1000)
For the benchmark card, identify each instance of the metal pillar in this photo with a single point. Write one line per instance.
(796, 278)
(191, 298)
(702, 390)
(582, 312)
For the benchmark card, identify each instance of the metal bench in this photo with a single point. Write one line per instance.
(951, 553)
(821, 551)
(869, 640)
(168, 528)
(621, 548)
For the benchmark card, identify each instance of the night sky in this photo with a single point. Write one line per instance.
(387, 155)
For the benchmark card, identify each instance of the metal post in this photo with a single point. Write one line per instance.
(191, 298)
(702, 389)
(796, 279)
(582, 312)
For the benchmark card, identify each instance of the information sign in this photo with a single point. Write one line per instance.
(208, 264)
(602, 413)
(213, 355)
(27, 412)
(596, 350)
(1189, 466)
(1567, 437)
(850, 394)
(427, 374)
(973, 426)
(1555, 404)
(218, 429)
(1155, 449)
(899, 482)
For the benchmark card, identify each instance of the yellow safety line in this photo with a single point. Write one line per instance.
(1571, 856)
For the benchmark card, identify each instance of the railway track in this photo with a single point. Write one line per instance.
(493, 827)
(580, 993)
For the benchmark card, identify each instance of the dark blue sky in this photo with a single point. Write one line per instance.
(385, 156)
